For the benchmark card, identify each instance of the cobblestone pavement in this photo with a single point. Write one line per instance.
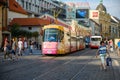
(81, 65)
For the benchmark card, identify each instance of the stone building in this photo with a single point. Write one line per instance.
(114, 28)
(109, 25)
(104, 20)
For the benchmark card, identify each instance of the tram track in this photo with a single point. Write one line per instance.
(82, 69)
(41, 62)
(67, 62)
(22, 63)
(72, 66)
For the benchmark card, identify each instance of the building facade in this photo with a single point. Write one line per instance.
(9, 9)
(38, 7)
(104, 20)
(114, 28)
(16, 11)
(3, 18)
(109, 25)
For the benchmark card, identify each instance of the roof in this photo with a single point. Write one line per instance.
(29, 21)
(114, 19)
(14, 6)
(101, 7)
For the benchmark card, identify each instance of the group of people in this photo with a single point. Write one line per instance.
(16, 49)
(104, 50)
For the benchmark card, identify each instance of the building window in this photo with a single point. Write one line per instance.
(9, 20)
(22, 3)
(29, 28)
(27, 5)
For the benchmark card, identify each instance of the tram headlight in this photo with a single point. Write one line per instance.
(44, 46)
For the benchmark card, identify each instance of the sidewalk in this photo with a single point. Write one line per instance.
(116, 64)
(35, 52)
(114, 70)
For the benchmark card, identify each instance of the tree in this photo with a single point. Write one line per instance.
(35, 34)
(15, 30)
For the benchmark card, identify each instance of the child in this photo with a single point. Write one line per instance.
(102, 51)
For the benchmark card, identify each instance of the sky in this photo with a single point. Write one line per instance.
(112, 6)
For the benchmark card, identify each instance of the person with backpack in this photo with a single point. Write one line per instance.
(102, 52)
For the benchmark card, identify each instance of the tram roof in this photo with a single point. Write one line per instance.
(54, 26)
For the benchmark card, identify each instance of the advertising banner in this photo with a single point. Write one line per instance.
(94, 14)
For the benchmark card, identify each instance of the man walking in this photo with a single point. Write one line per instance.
(20, 47)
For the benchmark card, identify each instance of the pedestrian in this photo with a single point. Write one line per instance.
(4, 49)
(25, 45)
(14, 47)
(31, 47)
(111, 45)
(7, 50)
(102, 52)
(118, 45)
(20, 47)
(106, 43)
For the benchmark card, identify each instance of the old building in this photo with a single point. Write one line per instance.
(114, 28)
(104, 20)
(3, 18)
(9, 9)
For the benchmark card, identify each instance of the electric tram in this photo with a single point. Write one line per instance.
(59, 39)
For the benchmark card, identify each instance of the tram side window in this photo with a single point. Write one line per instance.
(61, 35)
(74, 39)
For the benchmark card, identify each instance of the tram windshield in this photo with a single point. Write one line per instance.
(52, 35)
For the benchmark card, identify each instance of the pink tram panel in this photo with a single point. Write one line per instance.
(49, 48)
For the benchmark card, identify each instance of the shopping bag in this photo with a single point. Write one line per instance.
(109, 61)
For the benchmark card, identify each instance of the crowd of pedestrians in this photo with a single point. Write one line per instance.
(12, 50)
